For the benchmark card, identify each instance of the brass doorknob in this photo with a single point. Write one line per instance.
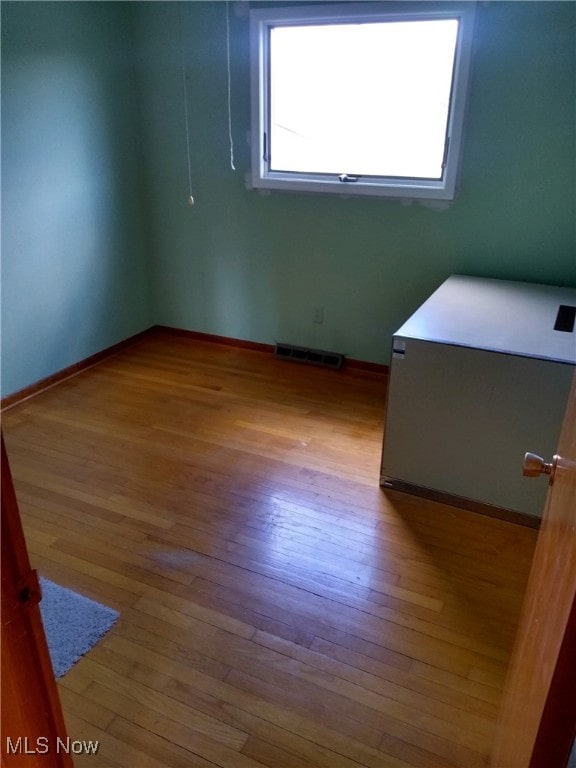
(534, 466)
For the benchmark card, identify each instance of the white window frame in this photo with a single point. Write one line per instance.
(262, 20)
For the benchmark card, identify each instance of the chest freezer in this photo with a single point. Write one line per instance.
(480, 374)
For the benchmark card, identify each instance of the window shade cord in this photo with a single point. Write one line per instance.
(229, 86)
(185, 97)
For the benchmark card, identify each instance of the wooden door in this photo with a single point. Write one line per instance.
(537, 723)
(32, 721)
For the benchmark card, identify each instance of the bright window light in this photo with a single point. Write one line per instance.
(353, 100)
(332, 113)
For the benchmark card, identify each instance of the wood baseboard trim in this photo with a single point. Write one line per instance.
(350, 363)
(366, 365)
(228, 341)
(72, 370)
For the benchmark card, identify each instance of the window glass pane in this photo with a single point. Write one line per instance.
(364, 99)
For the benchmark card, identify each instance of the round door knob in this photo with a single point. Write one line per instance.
(534, 466)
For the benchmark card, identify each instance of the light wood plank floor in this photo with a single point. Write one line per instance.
(277, 607)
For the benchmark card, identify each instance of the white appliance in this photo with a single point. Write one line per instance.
(480, 374)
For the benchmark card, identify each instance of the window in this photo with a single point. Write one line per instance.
(357, 100)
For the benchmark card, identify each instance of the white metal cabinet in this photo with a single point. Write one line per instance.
(478, 377)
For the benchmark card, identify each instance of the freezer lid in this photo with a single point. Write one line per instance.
(499, 316)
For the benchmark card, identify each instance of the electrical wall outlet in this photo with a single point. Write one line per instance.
(318, 315)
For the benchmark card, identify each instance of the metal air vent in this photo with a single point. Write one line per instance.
(310, 356)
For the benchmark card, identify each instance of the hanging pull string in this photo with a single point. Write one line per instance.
(229, 87)
(185, 98)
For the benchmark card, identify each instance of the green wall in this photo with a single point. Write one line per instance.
(74, 266)
(251, 266)
(98, 239)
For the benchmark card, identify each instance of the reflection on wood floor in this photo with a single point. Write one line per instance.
(277, 607)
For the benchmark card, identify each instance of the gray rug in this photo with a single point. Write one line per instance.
(73, 624)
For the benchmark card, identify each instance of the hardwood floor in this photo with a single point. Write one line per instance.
(277, 607)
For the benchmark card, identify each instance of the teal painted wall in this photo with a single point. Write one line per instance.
(99, 242)
(246, 265)
(74, 268)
